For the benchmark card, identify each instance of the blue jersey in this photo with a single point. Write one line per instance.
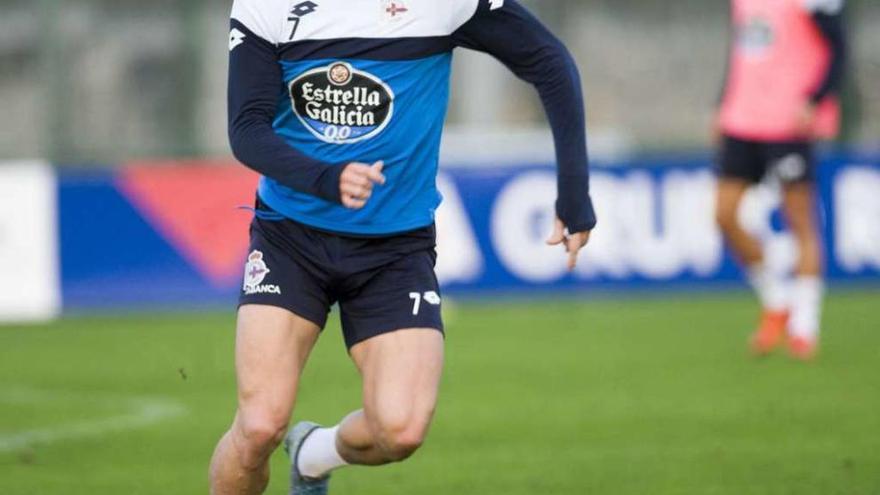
(315, 85)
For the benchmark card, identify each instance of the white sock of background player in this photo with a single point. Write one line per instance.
(773, 289)
(806, 307)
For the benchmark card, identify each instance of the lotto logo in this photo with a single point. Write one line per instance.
(431, 297)
(304, 8)
(299, 11)
(236, 38)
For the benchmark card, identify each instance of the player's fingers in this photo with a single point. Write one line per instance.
(354, 173)
(359, 180)
(374, 173)
(583, 238)
(574, 245)
(348, 189)
(355, 169)
(359, 185)
(356, 191)
(572, 259)
(363, 193)
(558, 235)
(352, 202)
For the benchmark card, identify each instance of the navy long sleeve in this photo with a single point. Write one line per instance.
(255, 87)
(831, 26)
(516, 38)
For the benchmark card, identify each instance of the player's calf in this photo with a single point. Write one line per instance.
(726, 218)
(240, 462)
(730, 193)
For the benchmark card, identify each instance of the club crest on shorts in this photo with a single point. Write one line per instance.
(791, 167)
(255, 271)
(340, 104)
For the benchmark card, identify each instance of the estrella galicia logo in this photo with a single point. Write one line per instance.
(340, 104)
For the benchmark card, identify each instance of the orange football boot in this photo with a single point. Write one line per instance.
(802, 348)
(770, 332)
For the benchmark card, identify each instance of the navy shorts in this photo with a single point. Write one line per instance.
(382, 284)
(789, 161)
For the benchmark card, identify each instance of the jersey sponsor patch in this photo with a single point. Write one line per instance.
(340, 104)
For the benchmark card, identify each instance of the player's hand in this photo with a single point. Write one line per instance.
(806, 120)
(357, 181)
(573, 243)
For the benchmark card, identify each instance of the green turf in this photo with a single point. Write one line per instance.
(647, 396)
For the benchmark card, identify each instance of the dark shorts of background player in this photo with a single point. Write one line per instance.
(382, 284)
(790, 162)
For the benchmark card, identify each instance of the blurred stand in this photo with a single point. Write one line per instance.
(95, 80)
(132, 83)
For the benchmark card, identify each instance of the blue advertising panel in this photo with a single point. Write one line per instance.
(656, 231)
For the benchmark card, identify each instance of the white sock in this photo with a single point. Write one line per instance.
(806, 307)
(772, 288)
(318, 455)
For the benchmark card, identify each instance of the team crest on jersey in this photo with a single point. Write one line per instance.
(340, 104)
(394, 10)
(755, 36)
(255, 271)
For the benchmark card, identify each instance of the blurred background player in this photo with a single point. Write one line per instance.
(785, 69)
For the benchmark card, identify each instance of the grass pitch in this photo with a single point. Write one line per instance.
(647, 396)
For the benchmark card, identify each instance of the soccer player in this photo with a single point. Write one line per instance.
(340, 106)
(785, 69)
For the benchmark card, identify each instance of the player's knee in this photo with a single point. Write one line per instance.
(399, 446)
(399, 439)
(259, 435)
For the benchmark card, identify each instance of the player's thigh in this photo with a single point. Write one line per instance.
(728, 197)
(793, 163)
(283, 305)
(740, 160)
(393, 327)
(401, 373)
(271, 348)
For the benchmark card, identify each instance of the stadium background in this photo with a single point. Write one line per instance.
(630, 376)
